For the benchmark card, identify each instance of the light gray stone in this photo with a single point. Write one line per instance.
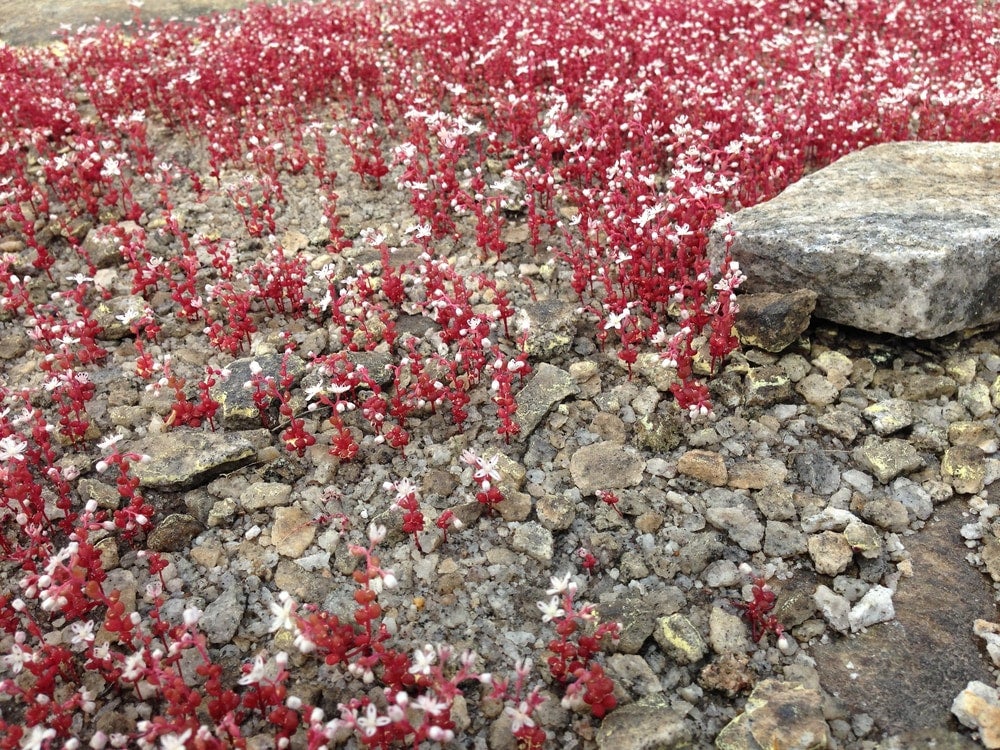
(647, 723)
(534, 540)
(548, 386)
(605, 466)
(874, 607)
(834, 608)
(182, 459)
(885, 236)
(740, 523)
(222, 617)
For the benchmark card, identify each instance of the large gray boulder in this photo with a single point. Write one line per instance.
(900, 238)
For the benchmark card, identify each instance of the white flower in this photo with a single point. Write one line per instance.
(38, 738)
(560, 586)
(12, 449)
(282, 613)
(175, 741)
(83, 633)
(134, 666)
(109, 442)
(423, 660)
(256, 673)
(520, 716)
(615, 320)
(430, 705)
(17, 658)
(371, 721)
(551, 609)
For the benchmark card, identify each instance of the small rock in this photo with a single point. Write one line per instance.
(182, 459)
(534, 540)
(864, 538)
(842, 422)
(705, 466)
(555, 512)
(756, 475)
(551, 327)
(922, 387)
(237, 410)
(834, 608)
(773, 321)
(647, 723)
(605, 466)
(727, 632)
(990, 555)
(173, 533)
(547, 387)
(817, 390)
(964, 467)
(783, 539)
(889, 416)
(837, 367)
(292, 532)
(766, 386)
(260, 495)
(778, 714)
(633, 674)
(887, 459)
(679, 639)
(961, 368)
(831, 553)
(976, 398)
(828, 519)
(740, 523)
(729, 673)
(882, 511)
(978, 707)
(875, 606)
(222, 617)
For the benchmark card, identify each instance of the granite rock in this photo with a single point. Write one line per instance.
(885, 237)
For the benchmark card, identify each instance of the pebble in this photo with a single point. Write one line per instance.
(174, 533)
(778, 714)
(756, 475)
(679, 639)
(727, 632)
(222, 617)
(817, 390)
(740, 524)
(978, 707)
(834, 608)
(292, 532)
(831, 553)
(889, 416)
(547, 387)
(874, 607)
(605, 466)
(644, 724)
(703, 465)
(534, 540)
(964, 467)
(887, 459)
(783, 539)
(555, 512)
(261, 495)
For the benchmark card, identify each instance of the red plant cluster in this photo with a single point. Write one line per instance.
(614, 134)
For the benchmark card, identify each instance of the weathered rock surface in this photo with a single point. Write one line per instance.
(182, 459)
(773, 321)
(885, 236)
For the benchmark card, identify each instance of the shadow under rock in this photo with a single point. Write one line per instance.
(906, 673)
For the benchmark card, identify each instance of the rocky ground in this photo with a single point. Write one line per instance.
(856, 473)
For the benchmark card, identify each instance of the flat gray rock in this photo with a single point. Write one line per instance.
(182, 459)
(900, 238)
